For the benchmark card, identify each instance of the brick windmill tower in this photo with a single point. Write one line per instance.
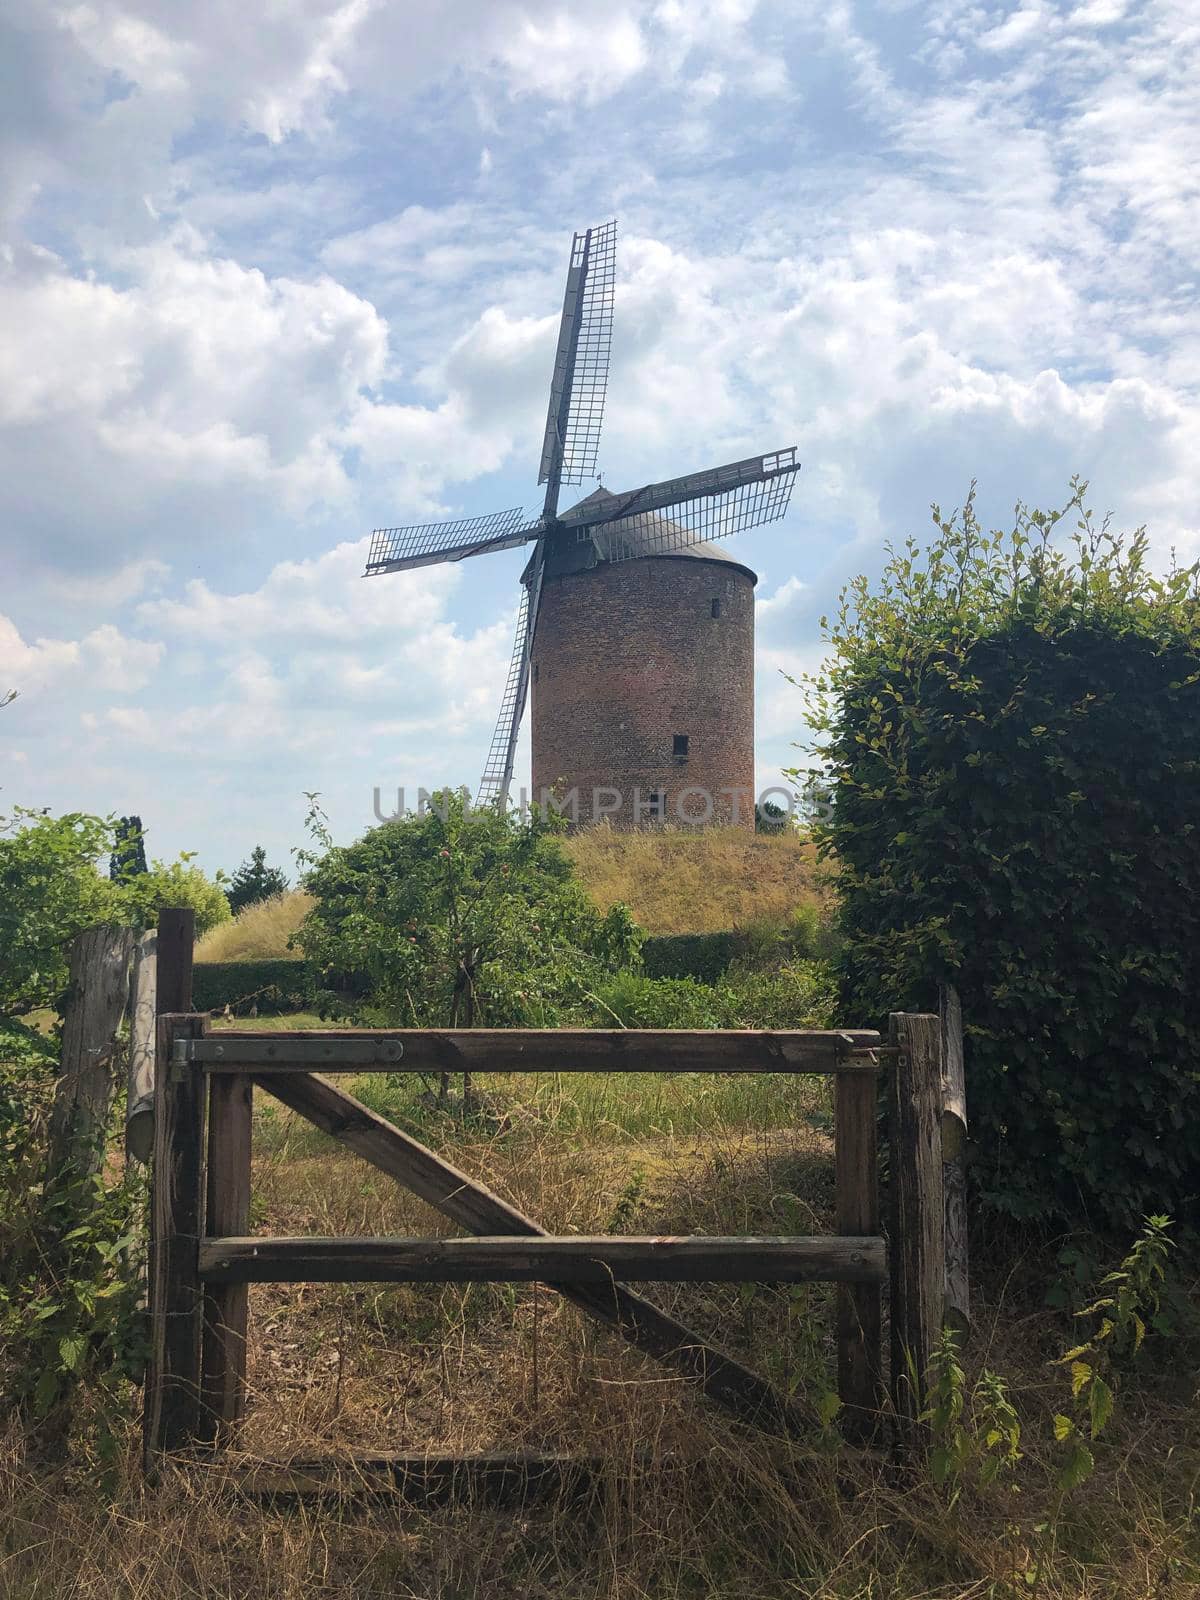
(635, 631)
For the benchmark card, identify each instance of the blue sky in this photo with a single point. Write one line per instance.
(270, 276)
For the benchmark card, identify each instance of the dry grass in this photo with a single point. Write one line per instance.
(683, 880)
(689, 1503)
(259, 933)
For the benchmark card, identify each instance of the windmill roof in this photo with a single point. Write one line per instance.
(650, 527)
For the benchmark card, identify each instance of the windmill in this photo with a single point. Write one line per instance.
(656, 519)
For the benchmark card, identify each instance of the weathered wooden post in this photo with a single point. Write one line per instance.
(954, 1173)
(143, 1041)
(859, 1306)
(918, 1223)
(176, 943)
(172, 1401)
(226, 1305)
(83, 1094)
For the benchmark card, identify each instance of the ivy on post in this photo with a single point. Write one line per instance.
(918, 1222)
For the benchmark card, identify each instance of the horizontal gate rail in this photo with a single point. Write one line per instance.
(566, 1259)
(473, 1050)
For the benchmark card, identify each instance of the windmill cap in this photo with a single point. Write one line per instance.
(639, 541)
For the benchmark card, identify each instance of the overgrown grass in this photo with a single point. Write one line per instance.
(684, 880)
(259, 933)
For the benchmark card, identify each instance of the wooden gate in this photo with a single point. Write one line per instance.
(203, 1257)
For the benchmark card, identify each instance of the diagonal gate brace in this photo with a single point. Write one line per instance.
(473, 1206)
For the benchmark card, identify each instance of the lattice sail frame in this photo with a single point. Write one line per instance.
(571, 446)
(694, 522)
(422, 543)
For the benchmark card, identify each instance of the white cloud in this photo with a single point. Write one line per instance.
(102, 659)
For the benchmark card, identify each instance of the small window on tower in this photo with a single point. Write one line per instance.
(716, 608)
(680, 747)
(656, 805)
(535, 672)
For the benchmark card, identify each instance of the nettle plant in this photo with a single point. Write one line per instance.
(1009, 725)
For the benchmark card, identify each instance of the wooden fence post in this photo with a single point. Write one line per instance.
(954, 1175)
(176, 941)
(143, 1041)
(99, 969)
(918, 1223)
(176, 1224)
(859, 1306)
(226, 1305)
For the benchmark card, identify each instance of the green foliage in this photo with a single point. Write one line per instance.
(461, 918)
(272, 987)
(630, 1000)
(49, 891)
(254, 880)
(796, 996)
(1011, 732)
(174, 883)
(800, 994)
(71, 1322)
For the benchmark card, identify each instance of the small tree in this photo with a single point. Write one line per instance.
(460, 918)
(128, 858)
(254, 880)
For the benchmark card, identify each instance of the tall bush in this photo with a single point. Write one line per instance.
(1011, 727)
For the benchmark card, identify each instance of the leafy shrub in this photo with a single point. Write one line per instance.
(50, 890)
(1012, 733)
(801, 994)
(796, 996)
(174, 883)
(635, 1001)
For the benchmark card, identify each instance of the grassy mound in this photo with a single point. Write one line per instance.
(674, 880)
(681, 880)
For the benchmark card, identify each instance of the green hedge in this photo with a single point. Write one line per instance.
(702, 956)
(1013, 736)
(274, 987)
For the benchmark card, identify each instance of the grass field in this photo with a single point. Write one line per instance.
(691, 1504)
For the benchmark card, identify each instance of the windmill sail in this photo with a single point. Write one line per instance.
(422, 544)
(498, 769)
(579, 385)
(697, 509)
